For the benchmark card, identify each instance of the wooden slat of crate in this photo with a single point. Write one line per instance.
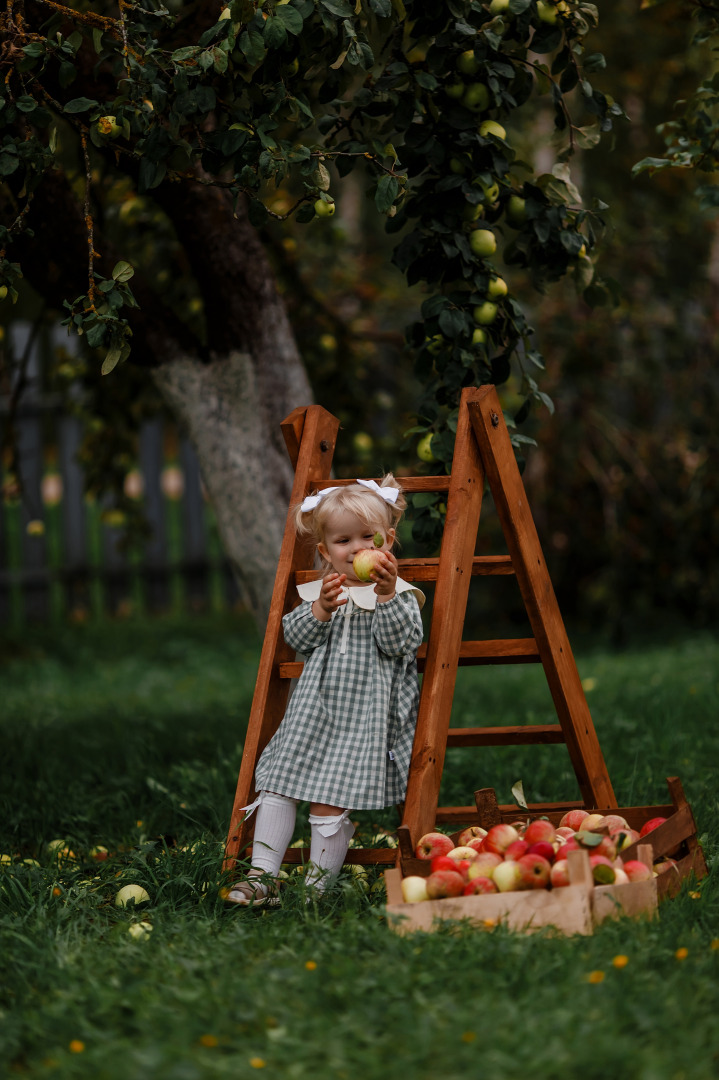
(638, 898)
(567, 909)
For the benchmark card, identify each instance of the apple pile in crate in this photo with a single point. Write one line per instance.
(525, 855)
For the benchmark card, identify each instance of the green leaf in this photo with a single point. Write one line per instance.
(122, 271)
(589, 839)
(97, 40)
(290, 18)
(274, 33)
(338, 7)
(111, 360)
(387, 191)
(518, 793)
(80, 104)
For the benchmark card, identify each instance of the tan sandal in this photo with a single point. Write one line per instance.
(249, 894)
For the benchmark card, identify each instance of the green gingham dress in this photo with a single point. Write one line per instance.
(346, 738)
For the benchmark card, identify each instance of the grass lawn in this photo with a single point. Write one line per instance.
(129, 735)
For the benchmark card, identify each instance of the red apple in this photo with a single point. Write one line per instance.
(663, 864)
(606, 847)
(479, 885)
(414, 889)
(442, 862)
(539, 830)
(573, 819)
(602, 870)
(612, 822)
(591, 822)
(653, 823)
(543, 848)
(444, 883)
(559, 874)
(499, 838)
(365, 561)
(507, 876)
(535, 872)
(565, 831)
(474, 832)
(432, 844)
(484, 865)
(476, 844)
(516, 849)
(637, 870)
(572, 844)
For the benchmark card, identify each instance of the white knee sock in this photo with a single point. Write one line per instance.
(330, 839)
(273, 831)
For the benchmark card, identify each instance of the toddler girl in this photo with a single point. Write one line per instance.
(346, 739)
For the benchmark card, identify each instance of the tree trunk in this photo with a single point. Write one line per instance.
(247, 479)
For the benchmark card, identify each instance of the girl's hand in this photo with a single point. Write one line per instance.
(330, 597)
(384, 576)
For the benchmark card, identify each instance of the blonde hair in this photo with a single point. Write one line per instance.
(364, 503)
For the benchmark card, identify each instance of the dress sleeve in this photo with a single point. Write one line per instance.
(303, 632)
(397, 625)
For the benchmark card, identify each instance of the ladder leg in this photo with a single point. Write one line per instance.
(310, 443)
(464, 503)
(536, 587)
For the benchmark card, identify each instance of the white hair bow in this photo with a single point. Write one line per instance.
(389, 494)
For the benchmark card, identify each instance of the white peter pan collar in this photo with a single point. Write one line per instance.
(362, 596)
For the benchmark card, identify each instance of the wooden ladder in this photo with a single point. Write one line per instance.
(482, 451)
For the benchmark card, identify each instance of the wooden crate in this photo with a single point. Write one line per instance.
(638, 898)
(676, 838)
(568, 910)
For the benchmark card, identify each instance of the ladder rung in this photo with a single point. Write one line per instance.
(408, 483)
(471, 653)
(427, 569)
(527, 735)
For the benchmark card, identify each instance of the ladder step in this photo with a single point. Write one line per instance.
(471, 653)
(527, 735)
(409, 483)
(427, 569)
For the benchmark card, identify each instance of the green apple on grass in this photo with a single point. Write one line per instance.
(131, 893)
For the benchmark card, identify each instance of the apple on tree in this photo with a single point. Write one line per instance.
(483, 242)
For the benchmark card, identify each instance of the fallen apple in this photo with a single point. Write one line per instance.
(131, 894)
(139, 931)
(432, 844)
(414, 889)
(98, 853)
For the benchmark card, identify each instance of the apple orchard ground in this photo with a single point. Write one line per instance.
(129, 736)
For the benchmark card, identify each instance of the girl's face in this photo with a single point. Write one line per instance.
(345, 535)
